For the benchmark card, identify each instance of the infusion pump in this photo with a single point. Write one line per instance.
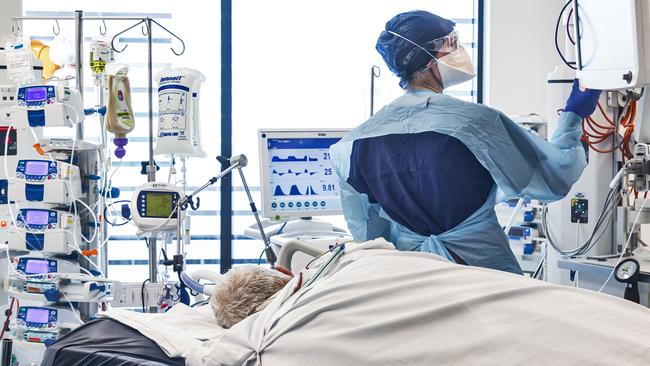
(44, 230)
(153, 207)
(47, 106)
(47, 181)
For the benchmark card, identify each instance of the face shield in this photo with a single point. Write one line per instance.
(455, 66)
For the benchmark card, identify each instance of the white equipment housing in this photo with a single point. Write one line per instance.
(614, 44)
(47, 106)
(592, 186)
(153, 207)
(52, 182)
(41, 324)
(77, 287)
(45, 230)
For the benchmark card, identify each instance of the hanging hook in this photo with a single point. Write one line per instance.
(103, 32)
(145, 32)
(56, 30)
(182, 51)
(16, 30)
(189, 201)
(376, 71)
(122, 32)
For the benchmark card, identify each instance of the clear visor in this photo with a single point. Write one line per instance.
(446, 44)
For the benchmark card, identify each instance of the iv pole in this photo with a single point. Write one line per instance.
(79, 19)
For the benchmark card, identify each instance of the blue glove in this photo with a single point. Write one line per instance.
(582, 103)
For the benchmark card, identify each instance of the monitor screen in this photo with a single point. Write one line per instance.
(37, 167)
(36, 94)
(159, 204)
(36, 266)
(298, 177)
(37, 217)
(37, 315)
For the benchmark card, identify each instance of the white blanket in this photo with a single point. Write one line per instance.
(176, 331)
(383, 307)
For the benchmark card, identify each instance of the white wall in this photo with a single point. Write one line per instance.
(519, 53)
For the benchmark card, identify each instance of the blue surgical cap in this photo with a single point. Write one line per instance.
(402, 57)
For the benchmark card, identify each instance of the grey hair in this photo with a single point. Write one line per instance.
(243, 290)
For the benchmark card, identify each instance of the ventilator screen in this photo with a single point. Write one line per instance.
(159, 204)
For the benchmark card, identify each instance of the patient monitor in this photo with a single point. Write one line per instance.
(298, 182)
(297, 176)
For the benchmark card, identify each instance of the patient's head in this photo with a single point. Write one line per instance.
(243, 290)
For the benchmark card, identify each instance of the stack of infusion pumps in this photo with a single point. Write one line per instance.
(44, 226)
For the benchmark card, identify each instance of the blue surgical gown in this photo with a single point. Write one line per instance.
(426, 170)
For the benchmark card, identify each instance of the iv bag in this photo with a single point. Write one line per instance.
(178, 112)
(19, 59)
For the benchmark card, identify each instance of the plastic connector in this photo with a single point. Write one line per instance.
(529, 216)
(114, 192)
(529, 248)
(52, 295)
(145, 165)
(91, 111)
(126, 211)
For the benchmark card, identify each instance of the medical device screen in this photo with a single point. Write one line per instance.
(37, 217)
(301, 177)
(35, 315)
(36, 167)
(37, 94)
(159, 204)
(36, 266)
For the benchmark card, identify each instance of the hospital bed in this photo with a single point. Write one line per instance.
(110, 342)
(107, 342)
(380, 306)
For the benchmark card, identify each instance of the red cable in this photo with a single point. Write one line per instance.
(7, 317)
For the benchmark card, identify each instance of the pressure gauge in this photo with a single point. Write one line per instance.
(627, 271)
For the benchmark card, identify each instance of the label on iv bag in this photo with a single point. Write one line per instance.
(178, 112)
(19, 59)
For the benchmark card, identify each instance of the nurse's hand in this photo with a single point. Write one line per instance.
(582, 103)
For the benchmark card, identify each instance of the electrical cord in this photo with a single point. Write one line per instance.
(259, 260)
(111, 205)
(609, 207)
(144, 283)
(557, 30)
(627, 243)
(72, 308)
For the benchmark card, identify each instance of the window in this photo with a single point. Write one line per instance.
(295, 64)
(128, 256)
(307, 64)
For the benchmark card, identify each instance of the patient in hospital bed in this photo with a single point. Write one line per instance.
(244, 291)
(371, 305)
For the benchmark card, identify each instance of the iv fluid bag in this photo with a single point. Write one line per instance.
(178, 112)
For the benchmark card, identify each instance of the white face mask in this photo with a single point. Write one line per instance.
(455, 68)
